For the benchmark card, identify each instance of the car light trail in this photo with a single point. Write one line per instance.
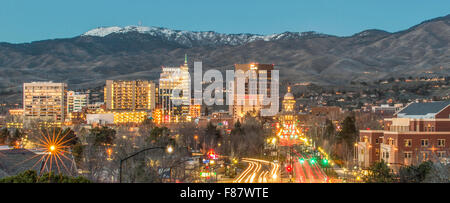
(255, 173)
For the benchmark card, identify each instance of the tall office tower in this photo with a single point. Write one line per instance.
(248, 101)
(45, 101)
(76, 101)
(129, 95)
(176, 79)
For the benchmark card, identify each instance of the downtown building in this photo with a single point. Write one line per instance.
(15, 119)
(76, 101)
(129, 101)
(45, 102)
(129, 95)
(419, 132)
(249, 101)
(174, 94)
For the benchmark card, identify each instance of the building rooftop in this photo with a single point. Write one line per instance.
(422, 110)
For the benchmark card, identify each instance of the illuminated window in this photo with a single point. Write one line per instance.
(408, 142)
(425, 155)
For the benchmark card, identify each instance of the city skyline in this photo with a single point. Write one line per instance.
(268, 92)
(63, 20)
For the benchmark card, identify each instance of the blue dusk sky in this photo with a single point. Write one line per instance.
(31, 20)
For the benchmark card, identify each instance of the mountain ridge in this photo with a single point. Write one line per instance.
(86, 61)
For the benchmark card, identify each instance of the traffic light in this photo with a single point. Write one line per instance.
(313, 160)
(301, 160)
(289, 168)
(325, 161)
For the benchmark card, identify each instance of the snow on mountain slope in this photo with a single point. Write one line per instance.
(191, 38)
(102, 31)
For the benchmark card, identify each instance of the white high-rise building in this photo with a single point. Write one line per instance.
(175, 79)
(76, 101)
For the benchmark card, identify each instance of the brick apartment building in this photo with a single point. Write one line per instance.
(418, 132)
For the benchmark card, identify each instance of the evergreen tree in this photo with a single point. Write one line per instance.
(31, 176)
(329, 129)
(4, 134)
(348, 133)
(103, 136)
(415, 174)
(379, 172)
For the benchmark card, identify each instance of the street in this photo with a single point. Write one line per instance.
(258, 171)
(307, 170)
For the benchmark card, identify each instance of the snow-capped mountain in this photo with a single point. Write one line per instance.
(190, 38)
(134, 52)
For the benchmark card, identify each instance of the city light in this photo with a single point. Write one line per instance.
(289, 168)
(211, 154)
(54, 144)
(169, 149)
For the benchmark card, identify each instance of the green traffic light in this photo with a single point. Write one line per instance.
(301, 161)
(325, 161)
(313, 161)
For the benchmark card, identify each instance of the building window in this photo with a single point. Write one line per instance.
(408, 142)
(441, 154)
(376, 141)
(424, 142)
(385, 155)
(377, 152)
(408, 155)
(441, 142)
(425, 156)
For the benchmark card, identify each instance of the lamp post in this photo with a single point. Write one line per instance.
(169, 150)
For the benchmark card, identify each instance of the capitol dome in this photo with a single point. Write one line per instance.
(289, 95)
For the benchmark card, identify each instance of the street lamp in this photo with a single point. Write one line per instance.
(274, 141)
(169, 150)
